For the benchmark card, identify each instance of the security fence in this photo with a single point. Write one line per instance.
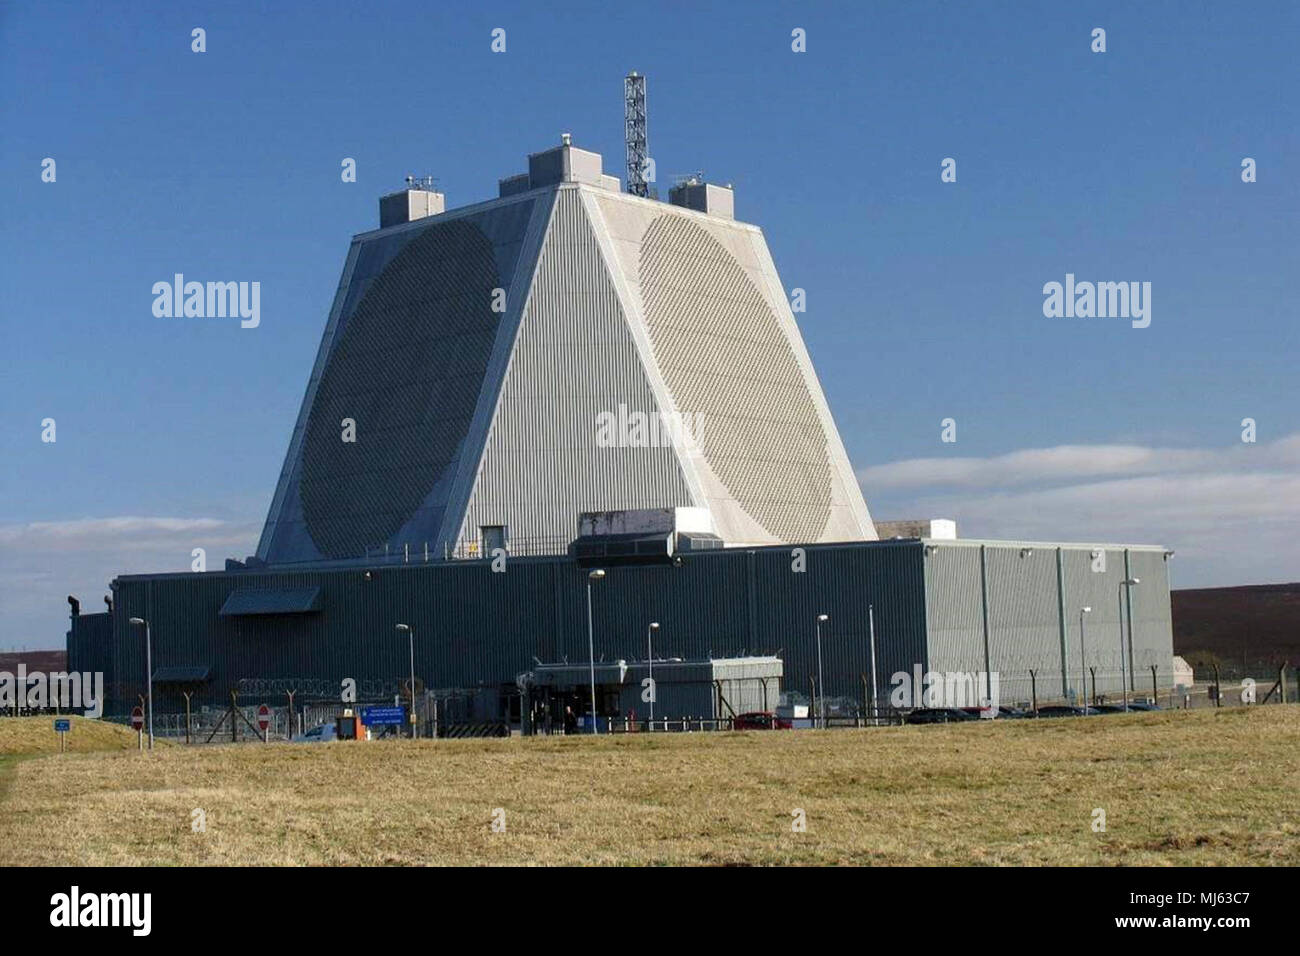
(491, 712)
(295, 706)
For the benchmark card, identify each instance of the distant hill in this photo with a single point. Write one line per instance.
(1249, 630)
(47, 662)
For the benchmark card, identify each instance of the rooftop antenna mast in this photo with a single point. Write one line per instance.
(634, 132)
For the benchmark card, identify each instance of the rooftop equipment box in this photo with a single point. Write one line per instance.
(646, 521)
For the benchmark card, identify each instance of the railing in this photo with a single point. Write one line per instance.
(425, 553)
(684, 725)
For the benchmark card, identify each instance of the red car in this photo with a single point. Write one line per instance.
(760, 720)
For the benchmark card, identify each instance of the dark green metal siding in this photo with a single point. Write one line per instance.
(90, 644)
(478, 628)
(841, 582)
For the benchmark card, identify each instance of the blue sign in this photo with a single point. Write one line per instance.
(62, 726)
(380, 716)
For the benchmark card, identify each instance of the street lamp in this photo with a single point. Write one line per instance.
(871, 634)
(596, 575)
(410, 633)
(1083, 663)
(821, 687)
(650, 659)
(148, 663)
(1119, 601)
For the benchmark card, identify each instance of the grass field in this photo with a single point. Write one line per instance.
(24, 737)
(1198, 787)
(31, 736)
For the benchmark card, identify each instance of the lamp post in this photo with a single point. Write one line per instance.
(821, 687)
(148, 664)
(1083, 663)
(1119, 600)
(596, 575)
(410, 634)
(871, 632)
(650, 659)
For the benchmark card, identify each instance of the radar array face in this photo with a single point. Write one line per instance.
(407, 368)
(725, 357)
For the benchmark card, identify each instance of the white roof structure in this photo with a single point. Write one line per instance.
(562, 349)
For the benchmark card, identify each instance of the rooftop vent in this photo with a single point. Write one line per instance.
(695, 193)
(416, 201)
(565, 163)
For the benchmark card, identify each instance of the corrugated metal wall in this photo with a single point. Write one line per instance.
(1151, 624)
(953, 610)
(1024, 609)
(477, 628)
(90, 644)
(1100, 590)
(1024, 620)
(842, 581)
(574, 360)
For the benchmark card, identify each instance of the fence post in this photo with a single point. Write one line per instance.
(234, 721)
(187, 694)
(1033, 689)
(1218, 692)
(1155, 692)
(1092, 672)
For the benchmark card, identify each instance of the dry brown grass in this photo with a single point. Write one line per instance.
(24, 736)
(1208, 787)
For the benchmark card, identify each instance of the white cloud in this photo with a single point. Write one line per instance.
(1232, 514)
(1076, 462)
(42, 562)
(88, 531)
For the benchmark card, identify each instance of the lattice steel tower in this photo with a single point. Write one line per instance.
(634, 132)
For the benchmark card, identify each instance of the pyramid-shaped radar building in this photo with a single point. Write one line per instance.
(497, 370)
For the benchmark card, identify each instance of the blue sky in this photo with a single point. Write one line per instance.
(924, 298)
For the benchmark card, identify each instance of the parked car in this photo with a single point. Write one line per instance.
(1004, 713)
(318, 735)
(938, 715)
(1066, 710)
(760, 720)
(1119, 708)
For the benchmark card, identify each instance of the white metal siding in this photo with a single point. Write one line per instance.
(574, 359)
